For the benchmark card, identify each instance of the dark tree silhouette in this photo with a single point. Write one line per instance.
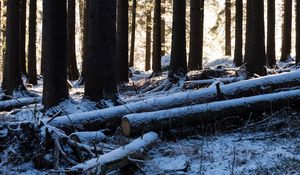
(85, 38)
(122, 40)
(100, 80)
(133, 25)
(196, 34)
(32, 73)
(286, 30)
(255, 42)
(178, 64)
(148, 39)
(163, 28)
(22, 36)
(298, 32)
(73, 73)
(156, 58)
(54, 52)
(11, 68)
(228, 27)
(271, 59)
(238, 51)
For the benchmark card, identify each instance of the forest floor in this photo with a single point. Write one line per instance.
(267, 146)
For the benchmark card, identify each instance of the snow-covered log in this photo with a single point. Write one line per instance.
(204, 114)
(111, 117)
(203, 83)
(88, 137)
(17, 103)
(117, 158)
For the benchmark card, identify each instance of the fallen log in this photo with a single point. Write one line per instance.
(117, 158)
(204, 114)
(88, 137)
(17, 103)
(111, 117)
(196, 84)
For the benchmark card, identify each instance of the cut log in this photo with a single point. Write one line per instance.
(196, 84)
(88, 137)
(204, 114)
(117, 158)
(17, 103)
(111, 117)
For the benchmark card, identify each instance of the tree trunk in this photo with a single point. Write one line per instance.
(122, 40)
(286, 31)
(238, 51)
(85, 38)
(255, 47)
(207, 114)
(32, 73)
(178, 64)
(298, 32)
(271, 59)
(11, 72)
(23, 36)
(148, 39)
(100, 80)
(133, 25)
(111, 117)
(228, 27)
(117, 158)
(196, 34)
(156, 58)
(54, 52)
(163, 28)
(73, 73)
(8, 105)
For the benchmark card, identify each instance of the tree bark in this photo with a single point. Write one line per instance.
(206, 114)
(11, 71)
(111, 117)
(238, 51)
(255, 47)
(228, 27)
(23, 36)
(72, 69)
(156, 58)
(286, 31)
(8, 105)
(133, 25)
(148, 39)
(196, 34)
(178, 64)
(85, 39)
(101, 72)
(298, 32)
(32, 72)
(54, 52)
(122, 40)
(271, 58)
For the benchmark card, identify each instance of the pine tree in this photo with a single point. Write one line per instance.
(32, 73)
(133, 26)
(148, 38)
(271, 59)
(85, 38)
(238, 51)
(255, 42)
(228, 27)
(100, 80)
(286, 31)
(54, 52)
(22, 31)
(156, 58)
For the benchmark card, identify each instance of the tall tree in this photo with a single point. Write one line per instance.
(271, 59)
(156, 58)
(286, 31)
(238, 51)
(122, 40)
(196, 34)
(178, 64)
(255, 47)
(101, 60)
(32, 73)
(54, 52)
(22, 36)
(73, 73)
(163, 27)
(228, 27)
(148, 38)
(133, 26)
(11, 72)
(298, 32)
(85, 38)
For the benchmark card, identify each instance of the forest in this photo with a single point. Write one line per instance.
(149, 87)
